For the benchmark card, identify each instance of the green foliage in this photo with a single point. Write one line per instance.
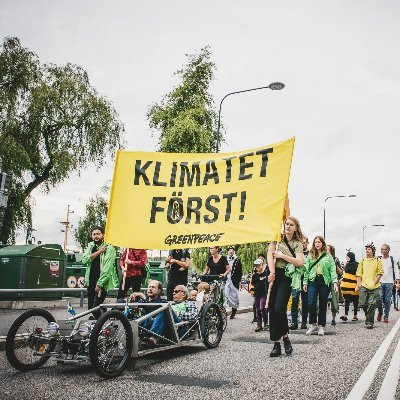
(185, 118)
(199, 258)
(52, 123)
(95, 215)
(248, 253)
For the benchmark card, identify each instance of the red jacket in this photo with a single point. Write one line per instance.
(138, 258)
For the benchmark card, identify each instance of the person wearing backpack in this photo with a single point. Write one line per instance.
(132, 264)
(389, 279)
(320, 273)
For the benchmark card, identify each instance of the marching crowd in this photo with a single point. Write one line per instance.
(291, 273)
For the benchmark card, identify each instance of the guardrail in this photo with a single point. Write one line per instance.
(49, 290)
(58, 290)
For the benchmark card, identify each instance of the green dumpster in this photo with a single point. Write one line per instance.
(75, 275)
(157, 271)
(32, 267)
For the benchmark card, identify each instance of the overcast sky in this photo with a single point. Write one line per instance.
(339, 60)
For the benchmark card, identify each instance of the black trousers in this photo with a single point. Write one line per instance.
(91, 294)
(134, 281)
(278, 301)
(94, 299)
(348, 298)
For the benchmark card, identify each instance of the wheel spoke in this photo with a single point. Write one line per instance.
(112, 347)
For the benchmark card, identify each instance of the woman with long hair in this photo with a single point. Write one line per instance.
(217, 264)
(288, 251)
(320, 273)
(335, 295)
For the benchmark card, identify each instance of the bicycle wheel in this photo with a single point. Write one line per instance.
(224, 317)
(26, 348)
(211, 325)
(110, 344)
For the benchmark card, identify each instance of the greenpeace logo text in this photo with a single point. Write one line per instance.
(170, 240)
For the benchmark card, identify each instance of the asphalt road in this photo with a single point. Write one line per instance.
(320, 368)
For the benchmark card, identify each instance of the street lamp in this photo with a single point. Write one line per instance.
(272, 86)
(366, 226)
(333, 197)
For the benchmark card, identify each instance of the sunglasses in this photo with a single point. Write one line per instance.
(177, 291)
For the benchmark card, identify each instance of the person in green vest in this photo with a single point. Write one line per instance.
(101, 275)
(320, 272)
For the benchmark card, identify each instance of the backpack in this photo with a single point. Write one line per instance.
(392, 261)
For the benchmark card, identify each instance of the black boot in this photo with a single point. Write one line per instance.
(233, 313)
(259, 328)
(287, 345)
(293, 326)
(276, 351)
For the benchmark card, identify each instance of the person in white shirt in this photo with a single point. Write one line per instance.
(233, 281)
(390, 277)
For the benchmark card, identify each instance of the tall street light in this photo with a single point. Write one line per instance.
(367, 226)
(272, 86)
(333, 197)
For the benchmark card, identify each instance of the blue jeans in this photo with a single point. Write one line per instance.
(384, 298)
(156, 324)
(318, 290)
(295, 306)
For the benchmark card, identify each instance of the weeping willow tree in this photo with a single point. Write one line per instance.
(53, 123)
(247, 253)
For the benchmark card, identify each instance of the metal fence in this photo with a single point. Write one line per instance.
(82, 291)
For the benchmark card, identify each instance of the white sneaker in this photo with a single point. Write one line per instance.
(312, 329)
(321, 331)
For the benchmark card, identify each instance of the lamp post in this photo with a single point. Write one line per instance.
(366, 226)
(333, 197)
(272, 86)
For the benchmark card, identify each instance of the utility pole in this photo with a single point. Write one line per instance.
(66, 224)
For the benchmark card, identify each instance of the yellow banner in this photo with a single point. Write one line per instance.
(187, 200)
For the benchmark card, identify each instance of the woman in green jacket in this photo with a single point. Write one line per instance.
(320, 272)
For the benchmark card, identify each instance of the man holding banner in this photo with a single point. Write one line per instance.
(101, 275)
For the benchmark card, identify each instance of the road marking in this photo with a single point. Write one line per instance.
(366, 378)
(389, 384)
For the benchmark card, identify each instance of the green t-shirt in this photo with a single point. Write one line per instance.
(179, 307)
(281, 246)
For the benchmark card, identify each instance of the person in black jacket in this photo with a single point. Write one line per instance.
(260, 283)
(178, 263)
(233, 281)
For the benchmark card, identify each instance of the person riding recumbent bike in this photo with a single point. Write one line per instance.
(113, 342)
